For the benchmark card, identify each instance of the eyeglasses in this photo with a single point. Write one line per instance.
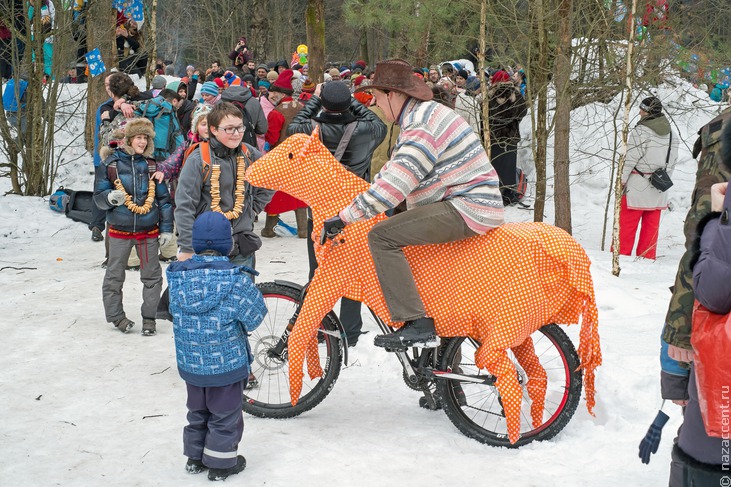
(233, 130)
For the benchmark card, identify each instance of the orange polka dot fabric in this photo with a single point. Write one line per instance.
(497, 288)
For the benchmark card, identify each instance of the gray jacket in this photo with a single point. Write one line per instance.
(242, 97)
(193, 196)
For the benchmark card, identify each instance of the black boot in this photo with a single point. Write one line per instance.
(195, 466)
(96, 235)
(224, 473)
(415, 333)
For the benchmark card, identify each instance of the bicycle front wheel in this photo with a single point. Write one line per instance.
(271, 398)
(476, 409)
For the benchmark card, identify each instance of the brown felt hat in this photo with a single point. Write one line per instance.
(398, 75)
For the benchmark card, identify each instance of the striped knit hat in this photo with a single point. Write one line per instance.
(209, 88)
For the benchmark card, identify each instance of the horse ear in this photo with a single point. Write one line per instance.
(310, 145)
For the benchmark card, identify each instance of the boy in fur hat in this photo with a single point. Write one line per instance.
(138, 213)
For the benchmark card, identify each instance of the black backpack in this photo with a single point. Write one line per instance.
(76, 205)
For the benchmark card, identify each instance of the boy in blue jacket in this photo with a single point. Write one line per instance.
(138, 212)
(214, 304)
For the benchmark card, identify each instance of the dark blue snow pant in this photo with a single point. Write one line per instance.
(215, 424)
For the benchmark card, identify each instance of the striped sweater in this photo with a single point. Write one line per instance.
(437, 157)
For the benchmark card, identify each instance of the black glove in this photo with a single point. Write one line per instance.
(651, 441)
(331, 228)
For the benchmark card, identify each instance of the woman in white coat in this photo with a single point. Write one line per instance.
(652, 145)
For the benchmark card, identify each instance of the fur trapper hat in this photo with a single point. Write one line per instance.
(139, 126)
(128, 129)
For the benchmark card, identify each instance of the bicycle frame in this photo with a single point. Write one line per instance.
(418, 365)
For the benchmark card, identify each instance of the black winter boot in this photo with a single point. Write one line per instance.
(195, 466)
(301, 216)
(268, 230)
(415, 333)
(224, 473)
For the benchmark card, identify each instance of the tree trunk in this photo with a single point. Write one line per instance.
(259, 29)
(561, 163)
(315, 21)
(483, 78)
(100, 30)
(152, 37)
(618, 189)
(538, 88)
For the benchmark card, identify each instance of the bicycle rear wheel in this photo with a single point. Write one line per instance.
(476, 409)
(271, 399)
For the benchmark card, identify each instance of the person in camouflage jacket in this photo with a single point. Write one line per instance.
(676, 348)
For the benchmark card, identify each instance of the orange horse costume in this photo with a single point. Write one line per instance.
(497, 288)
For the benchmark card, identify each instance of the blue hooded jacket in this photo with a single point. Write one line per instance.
(214, 304)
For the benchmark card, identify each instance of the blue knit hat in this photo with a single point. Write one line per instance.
(210, 88)
(212, 231)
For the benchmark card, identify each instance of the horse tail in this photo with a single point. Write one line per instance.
(590, 353)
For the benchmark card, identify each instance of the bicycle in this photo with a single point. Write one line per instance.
(446, 375)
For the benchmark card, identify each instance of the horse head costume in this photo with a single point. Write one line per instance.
(497, 288)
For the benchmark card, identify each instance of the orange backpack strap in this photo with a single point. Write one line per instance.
(205, 157)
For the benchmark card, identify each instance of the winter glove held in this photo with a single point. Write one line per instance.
(651, 441)
(164, 239)
(116, 197)
(331, 228)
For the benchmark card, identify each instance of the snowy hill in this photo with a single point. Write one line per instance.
(84, 405)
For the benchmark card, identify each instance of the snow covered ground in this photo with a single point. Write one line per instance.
(83, 405)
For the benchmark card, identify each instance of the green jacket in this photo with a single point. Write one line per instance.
(710, 171)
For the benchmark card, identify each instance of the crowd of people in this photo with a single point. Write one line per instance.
(414, 134)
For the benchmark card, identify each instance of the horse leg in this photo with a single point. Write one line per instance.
(303, 341)
(525, 353)
(498, 364)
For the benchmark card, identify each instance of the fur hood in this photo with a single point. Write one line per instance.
(121, 136)
(726, 146)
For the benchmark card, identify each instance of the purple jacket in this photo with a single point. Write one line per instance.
(712, 272)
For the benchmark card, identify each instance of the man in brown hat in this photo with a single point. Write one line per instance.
(451, 190)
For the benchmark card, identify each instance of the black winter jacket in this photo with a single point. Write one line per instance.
(505, 118)
(134, 173)
(185, 115)
(368, 134)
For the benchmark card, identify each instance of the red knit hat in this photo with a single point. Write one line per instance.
(501, 76)
(283, 84)
(359, 80)
(219, 82)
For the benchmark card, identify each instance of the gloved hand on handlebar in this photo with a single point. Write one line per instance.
(332, 227)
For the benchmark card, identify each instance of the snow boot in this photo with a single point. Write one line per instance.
(415, 333)
(224, 473)
(148, 327)
(301, 216)
(124, 324)
(96, 235)
(268, 230)
(195, 466)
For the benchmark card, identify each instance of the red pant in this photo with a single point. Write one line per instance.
(628, 222)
